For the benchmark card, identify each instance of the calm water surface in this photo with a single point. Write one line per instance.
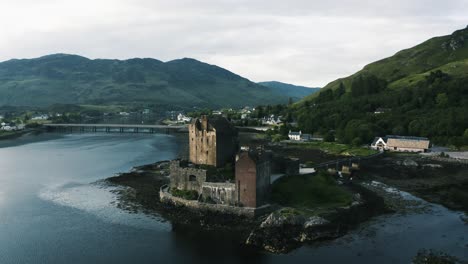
(52, 211)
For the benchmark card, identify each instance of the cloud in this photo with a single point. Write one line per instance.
(303, 42)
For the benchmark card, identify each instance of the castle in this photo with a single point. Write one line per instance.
(212, 141)
(213, 146)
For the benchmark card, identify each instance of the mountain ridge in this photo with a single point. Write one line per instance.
(296, 92)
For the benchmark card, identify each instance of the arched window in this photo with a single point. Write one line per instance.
(192, 178)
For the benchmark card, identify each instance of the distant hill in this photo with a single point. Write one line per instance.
(294, 91)
(72, 79)
(423, 89)
(407, 68)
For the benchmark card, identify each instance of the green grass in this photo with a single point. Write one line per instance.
(185, 194)
(310, 192)
(336, 148)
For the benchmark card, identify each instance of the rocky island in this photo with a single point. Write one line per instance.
(263, 198)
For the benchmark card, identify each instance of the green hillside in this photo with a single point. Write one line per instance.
(422, 91)
(294, 91)
(407, 67)
(72, 79)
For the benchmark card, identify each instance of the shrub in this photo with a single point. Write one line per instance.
(185, 194)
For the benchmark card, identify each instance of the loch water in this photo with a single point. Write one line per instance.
(54, 210)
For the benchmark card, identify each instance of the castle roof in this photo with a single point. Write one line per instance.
(217, 122)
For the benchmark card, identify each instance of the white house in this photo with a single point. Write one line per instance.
(299, 136)
(401, 143)
(40, 117)
(272, 120)
(182, 118)
(295, 135)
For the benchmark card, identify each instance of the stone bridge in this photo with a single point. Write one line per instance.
(115, 128)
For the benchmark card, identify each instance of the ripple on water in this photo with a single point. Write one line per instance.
(101, 201)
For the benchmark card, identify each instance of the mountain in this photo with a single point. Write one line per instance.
(290, 90)
(72, 79)
(409, 67)
(420, 91)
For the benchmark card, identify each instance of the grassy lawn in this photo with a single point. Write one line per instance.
(310, 192)
(336, 148)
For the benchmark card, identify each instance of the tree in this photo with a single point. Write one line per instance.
(329, 137)
(340, 91)
(442, 100)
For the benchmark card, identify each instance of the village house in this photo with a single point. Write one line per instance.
(299, 136)
(272, 120)
(11, 126)
(401, 144)
(40, 117)
(182, 118)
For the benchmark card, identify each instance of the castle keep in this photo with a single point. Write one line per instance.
(212, 141)
(253, 170)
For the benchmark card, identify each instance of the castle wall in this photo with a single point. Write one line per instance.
(246, 183)
(220, 193)
(226, 147)
(166, 197)
(263, 182)
(186, 178)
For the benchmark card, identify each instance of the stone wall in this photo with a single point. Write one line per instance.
(263, 182)
(166, 197)
(246, 175)
(401, 149)
(284, 165)
(186, 178)
(212, 141)
(202, 145)
(220, 193)
(253, 179)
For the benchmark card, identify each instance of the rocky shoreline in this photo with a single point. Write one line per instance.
(279, 232)
(437, 181)
(285, 229)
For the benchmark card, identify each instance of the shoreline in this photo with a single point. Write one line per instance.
(283, 230)
(436, 181)
(278, 232)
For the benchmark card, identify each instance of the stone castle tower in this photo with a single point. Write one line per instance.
(212, 141)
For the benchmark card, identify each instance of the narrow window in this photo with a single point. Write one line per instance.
(192, 178)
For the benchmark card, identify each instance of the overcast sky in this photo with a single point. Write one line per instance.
(305, 42)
